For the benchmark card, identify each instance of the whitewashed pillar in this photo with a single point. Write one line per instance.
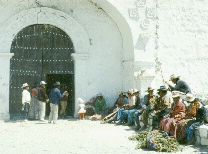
(128, 75)
(4, 84)
(144, 73)
(80, 78)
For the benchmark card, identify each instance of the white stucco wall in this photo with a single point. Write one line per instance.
(183, 45)
(120, 40)
(182, 42)
(99, 61)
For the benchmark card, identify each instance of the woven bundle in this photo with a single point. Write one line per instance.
(155, 140)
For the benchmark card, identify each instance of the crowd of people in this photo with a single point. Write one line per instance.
(173, 109)
(35, 107)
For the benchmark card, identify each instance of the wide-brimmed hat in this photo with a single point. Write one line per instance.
(57, 83)
(135, 90)
(42, 83)
(173, 76)
(190, 97)
(25, 85)
(162, 88)
(130, 91)
(175, 95)
(149, 89)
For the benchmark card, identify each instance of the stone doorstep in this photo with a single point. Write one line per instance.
(204, 141)
(203, 131)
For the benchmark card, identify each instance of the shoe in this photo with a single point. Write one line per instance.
(136, 127)
(49, 122)
(128, 124)
(118, 123)
(142, 128)
(42, 120)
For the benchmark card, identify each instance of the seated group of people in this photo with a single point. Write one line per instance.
(172, 109)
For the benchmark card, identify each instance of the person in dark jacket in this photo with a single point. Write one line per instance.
(55, 98)
(42, 98)
(180, 85)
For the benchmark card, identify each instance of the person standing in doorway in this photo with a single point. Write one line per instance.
(26, 98)
(34, 105)
(63, 103)
(42, 98)
(55, 98)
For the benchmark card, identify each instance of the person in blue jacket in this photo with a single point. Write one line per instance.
(55, 98)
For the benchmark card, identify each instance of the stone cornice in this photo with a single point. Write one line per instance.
(6, 55)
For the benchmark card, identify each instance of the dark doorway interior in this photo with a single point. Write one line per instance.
(67, 83)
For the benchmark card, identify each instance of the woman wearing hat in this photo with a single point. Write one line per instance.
(177, 113)
(26, 98)
(191, 113)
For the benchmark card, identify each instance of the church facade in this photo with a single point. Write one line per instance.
(99, 46)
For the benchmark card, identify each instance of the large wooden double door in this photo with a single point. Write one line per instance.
(41, 52)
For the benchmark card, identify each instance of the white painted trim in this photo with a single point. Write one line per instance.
(9, 55)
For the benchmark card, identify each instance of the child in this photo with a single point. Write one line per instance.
(82, 110)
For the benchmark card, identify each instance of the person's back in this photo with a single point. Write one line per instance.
(182, 86)
(55, 96)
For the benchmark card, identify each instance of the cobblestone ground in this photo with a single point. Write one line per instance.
(70, 137)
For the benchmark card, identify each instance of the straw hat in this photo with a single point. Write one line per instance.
(25, 85)
(176, 95)
(190, 97)
(135, 90)
(149, 89)
(130, 91)
(42, 83)
(173, 76)
(163, 88)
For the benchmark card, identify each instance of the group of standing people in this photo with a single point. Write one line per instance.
(35, 107)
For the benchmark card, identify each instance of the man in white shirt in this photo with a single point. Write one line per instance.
(26, 98)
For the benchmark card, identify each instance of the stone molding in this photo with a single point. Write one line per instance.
(6, 55)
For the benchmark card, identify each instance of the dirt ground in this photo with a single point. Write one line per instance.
(71, 137)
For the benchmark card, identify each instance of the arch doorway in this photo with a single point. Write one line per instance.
(41, 52)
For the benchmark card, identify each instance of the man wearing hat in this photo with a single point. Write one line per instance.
(128, 110)
(26, 98)
(42, 98)
(163, 106)
(148, 102)
(179, 84)
(55, 98)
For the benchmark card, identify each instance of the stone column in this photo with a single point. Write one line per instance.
(128, 75)
(80, 78)
(4, 85)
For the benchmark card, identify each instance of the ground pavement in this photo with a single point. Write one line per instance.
(70, 137)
